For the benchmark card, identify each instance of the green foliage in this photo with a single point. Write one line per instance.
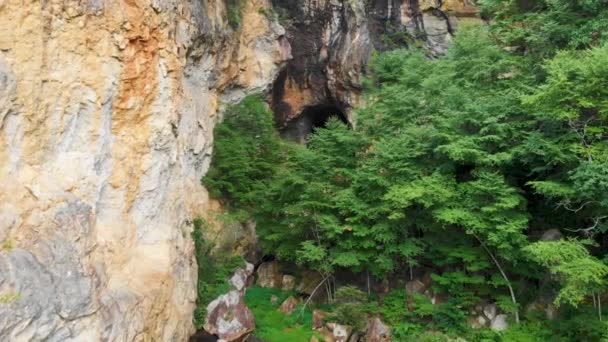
(246, 154)
(579, 325)
(542, 27)
(275, 326)
(213, 271)
(350, 307)
(529, 332)
(234, 9)
(579, 273)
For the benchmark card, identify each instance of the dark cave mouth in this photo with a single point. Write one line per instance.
(311, 119)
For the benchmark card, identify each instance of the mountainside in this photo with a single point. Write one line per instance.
(107, 110)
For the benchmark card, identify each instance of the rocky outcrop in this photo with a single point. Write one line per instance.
(107, 110)
(268, 275)
(331, 45)
(377, 331)
(229, 318)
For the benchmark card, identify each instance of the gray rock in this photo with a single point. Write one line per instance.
(340, 333)
(551, 235)
(499, 323)
(490, 311)
(239, 279)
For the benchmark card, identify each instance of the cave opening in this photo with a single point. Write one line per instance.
(311, 119)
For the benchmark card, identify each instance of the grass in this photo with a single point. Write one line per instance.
(274, 326)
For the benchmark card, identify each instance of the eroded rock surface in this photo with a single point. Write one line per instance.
(107, 110)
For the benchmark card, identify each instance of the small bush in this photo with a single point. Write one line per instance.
(350, 307)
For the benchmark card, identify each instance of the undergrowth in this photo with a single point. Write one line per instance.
(275, 326)
(213, 271)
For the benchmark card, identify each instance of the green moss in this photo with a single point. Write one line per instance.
(234, 9)
(8, 245)
(9, 297)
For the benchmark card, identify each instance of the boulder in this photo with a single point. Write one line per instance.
(288, 283)
(551, 235)
(274, 299)
(477, 322)
(490, 311)
(499, 323)
(269, 275)
(314, 339)
(288, 305)
(340, 333)
(377, 331)
(229, 318)
(318, 319)
(249, 268)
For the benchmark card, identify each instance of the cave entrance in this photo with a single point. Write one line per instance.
(311, 119)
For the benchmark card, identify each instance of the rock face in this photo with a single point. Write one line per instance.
(332, 42)
(107, 110)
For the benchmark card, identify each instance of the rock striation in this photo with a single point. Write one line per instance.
(107, 111)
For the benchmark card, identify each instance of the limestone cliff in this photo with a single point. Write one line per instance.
(107, 109)
(332, 42)
(106, 116)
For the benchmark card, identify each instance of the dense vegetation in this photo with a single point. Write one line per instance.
(457, 164)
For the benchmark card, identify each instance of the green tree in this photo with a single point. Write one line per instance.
(579, 273)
